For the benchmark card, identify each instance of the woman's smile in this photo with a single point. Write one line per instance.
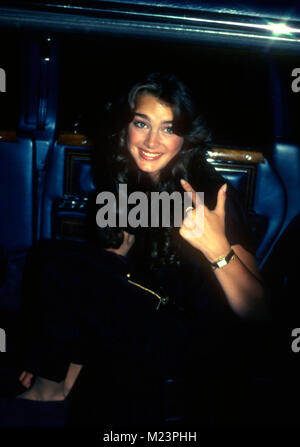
(151, 156)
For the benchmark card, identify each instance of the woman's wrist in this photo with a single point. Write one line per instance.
(223, 260)
(219, 252)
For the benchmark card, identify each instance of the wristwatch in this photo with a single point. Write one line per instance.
(224, 260)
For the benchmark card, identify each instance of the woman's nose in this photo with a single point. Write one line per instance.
(151, 139)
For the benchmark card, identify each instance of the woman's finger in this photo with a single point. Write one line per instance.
(221, 199)
(196, 198)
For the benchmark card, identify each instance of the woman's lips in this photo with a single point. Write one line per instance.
(150, 156)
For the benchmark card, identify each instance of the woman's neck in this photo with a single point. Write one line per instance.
(154, 177)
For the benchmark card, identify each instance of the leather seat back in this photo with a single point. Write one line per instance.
(270, 202)
(16, 194)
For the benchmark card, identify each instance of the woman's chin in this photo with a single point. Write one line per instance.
(148, 169)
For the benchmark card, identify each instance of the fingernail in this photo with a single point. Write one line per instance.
(225, 187)
(185, 183)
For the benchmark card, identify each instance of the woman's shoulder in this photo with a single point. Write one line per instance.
(205, 179)
(237, 221)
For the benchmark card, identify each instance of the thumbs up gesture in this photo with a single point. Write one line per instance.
(207, 236)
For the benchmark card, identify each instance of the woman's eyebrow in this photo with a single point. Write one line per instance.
(142, 115)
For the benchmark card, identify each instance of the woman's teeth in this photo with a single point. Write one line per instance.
(149, 154)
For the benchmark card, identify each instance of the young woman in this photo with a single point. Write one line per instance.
(156, 141)
(181, 305)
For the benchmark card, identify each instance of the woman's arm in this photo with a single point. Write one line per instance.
(243, 285)
(240, 279)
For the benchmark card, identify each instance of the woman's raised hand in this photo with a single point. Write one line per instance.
(205, 229)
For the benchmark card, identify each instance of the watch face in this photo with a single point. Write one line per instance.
(222, 263)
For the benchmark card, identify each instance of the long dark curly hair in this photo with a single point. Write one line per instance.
(112, 156)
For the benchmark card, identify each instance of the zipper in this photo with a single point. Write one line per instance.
(162, 300)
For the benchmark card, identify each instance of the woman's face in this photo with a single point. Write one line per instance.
(151, 140)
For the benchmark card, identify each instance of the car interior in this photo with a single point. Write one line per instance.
(63, 61)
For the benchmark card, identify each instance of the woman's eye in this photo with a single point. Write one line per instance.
(169, 130)
(140, 124)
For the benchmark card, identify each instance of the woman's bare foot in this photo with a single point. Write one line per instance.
(44, 390)
(48, 390)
